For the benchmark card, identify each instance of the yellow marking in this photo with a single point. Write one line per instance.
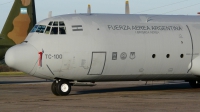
(20, 28)
(26, 2)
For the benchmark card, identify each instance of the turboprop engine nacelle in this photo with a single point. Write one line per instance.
(195, 66)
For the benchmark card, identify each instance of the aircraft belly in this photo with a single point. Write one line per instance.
(136, 77)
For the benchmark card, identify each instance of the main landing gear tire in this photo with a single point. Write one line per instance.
(63, 88)
(194, 84)
(53, 88)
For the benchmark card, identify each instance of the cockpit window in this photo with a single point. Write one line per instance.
(41, 29)
(62, 30)
(50, 23)
(58, 28)
(48, 30)
(34, 28)
(54, 30)
(61, 23)
(55, 23)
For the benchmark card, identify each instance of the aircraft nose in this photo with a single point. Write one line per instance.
(22, 57)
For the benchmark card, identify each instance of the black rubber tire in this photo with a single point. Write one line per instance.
(53, 88)
(194, 84)
(63, 85)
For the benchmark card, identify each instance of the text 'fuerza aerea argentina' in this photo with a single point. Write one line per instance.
(160, 28)
(144, 29)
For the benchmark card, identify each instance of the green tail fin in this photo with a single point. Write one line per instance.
(20, 21)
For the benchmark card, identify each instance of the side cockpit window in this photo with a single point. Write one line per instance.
(38, 29)
(41, 29)
(56, 28)
(34, 28)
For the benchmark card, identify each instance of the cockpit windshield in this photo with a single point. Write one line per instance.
(53, 28)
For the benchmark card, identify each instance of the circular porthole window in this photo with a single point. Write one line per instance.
(168, 55)
(182, 55)
(154, 56)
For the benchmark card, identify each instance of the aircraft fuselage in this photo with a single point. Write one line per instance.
(111, 47)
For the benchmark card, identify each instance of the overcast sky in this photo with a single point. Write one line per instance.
(169, 7)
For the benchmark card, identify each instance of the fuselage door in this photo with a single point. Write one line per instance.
(97, 63)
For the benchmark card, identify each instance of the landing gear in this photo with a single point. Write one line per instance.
(195, 84)
(53, 88)
(61, 87)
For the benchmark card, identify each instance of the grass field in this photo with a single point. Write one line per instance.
(12, 74)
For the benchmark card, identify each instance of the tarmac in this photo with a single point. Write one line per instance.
(30, 94)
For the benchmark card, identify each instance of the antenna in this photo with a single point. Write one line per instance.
(127, 10)
(89, 9)
(50, 14)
